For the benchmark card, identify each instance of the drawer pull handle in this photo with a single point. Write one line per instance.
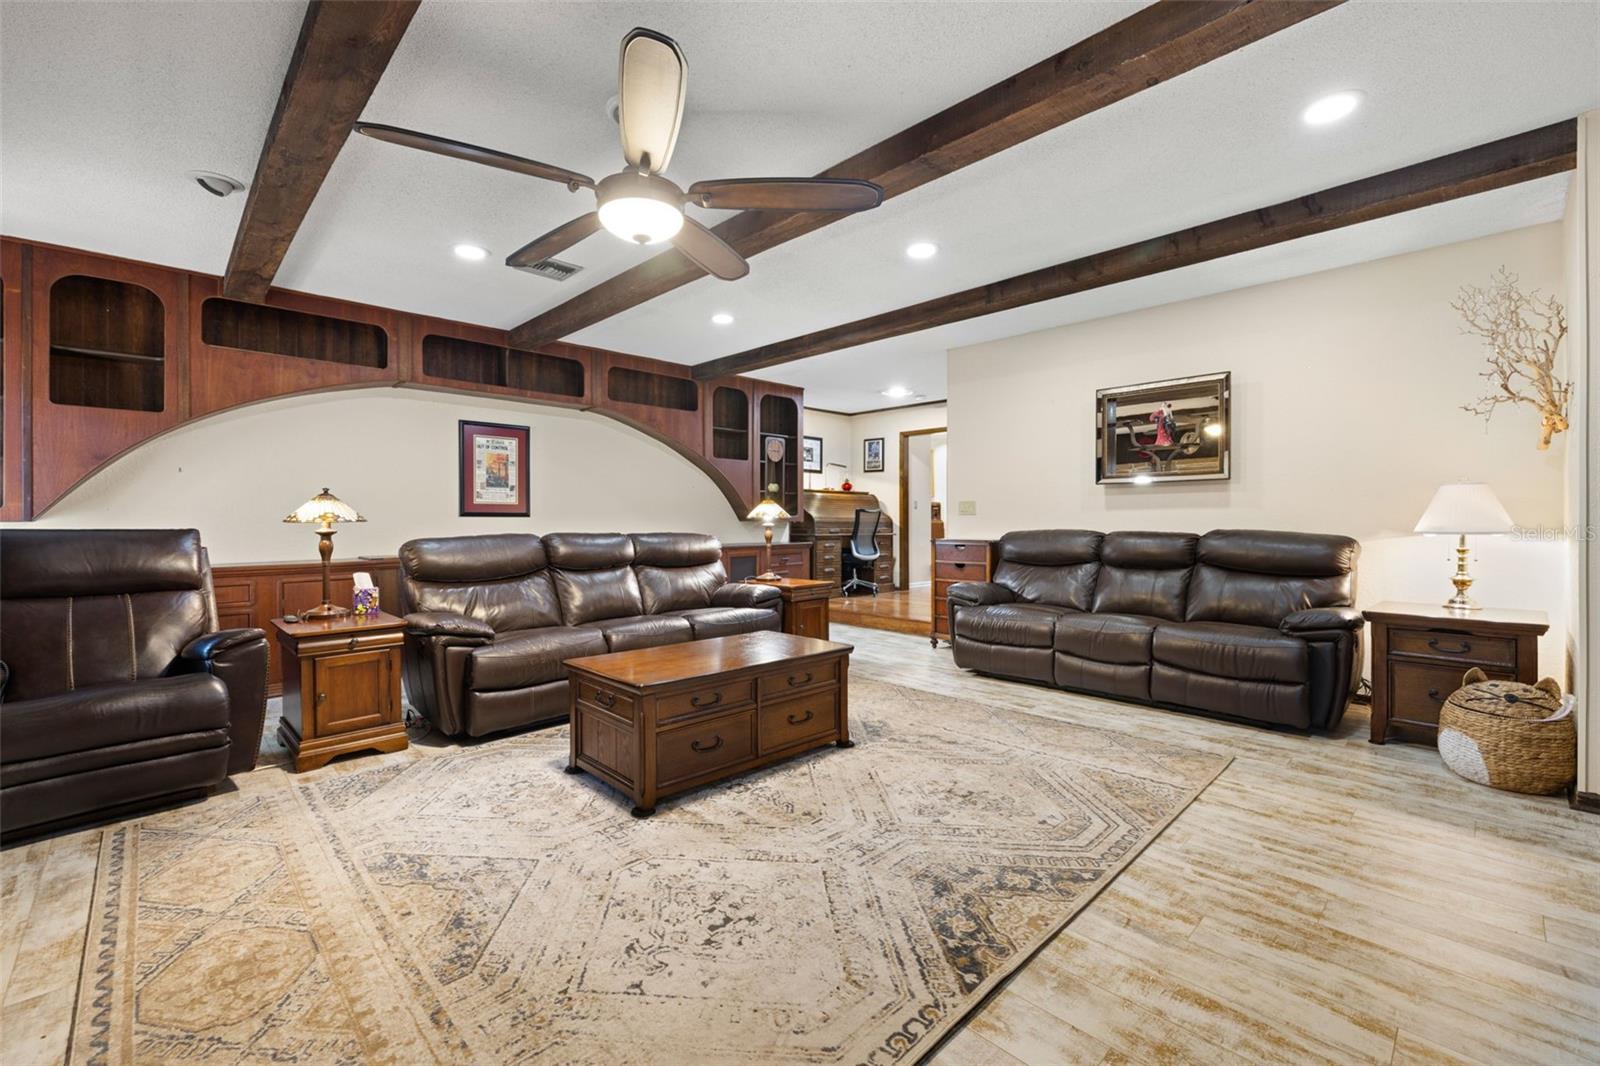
(696, 701)
(796, 682)
(353, 642)
(802, 719)
(1433, 694)
(716, 742)
(959, 566)
(1465, 647)
(605, 699)
(322, 697)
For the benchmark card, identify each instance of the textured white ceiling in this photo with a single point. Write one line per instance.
(104, 106)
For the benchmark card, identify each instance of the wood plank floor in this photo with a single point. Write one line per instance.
(1324, 901)
(908, 610)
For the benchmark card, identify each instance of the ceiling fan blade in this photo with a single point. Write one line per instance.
(710, 252)
(786, 194)
(473, 154)
(555, 242)
(651, 81)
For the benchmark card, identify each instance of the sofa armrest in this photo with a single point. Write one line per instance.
(237, 658)
(1322, 623)
(979, 593)
(748, 594)
(446, 624)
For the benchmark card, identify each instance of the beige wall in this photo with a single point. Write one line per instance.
(392, 454)
(842, 442)
(1346, 390)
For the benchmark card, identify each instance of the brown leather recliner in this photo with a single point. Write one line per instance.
(118, 690)
(492, 620)
(1252, 624)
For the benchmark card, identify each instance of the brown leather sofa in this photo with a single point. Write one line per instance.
(492, 620)
(118, 690)
(1251, 624)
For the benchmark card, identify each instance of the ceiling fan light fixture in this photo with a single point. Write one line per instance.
(640, 208)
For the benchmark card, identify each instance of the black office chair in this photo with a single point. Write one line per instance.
(862, 549)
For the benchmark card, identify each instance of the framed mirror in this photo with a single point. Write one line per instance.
(1175, 430)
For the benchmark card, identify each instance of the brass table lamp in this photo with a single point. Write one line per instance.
(768, 512)
(325, 509)
(1458, 509)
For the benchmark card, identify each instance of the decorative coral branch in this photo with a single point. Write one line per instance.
(1523, 333)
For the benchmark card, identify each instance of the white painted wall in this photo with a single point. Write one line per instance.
(1347, 387)
(834, 429)
(392, 454)
(1581, 230)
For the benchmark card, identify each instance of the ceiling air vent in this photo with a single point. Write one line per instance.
(554, 269)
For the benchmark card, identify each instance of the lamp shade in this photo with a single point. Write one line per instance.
(767, 512)
(324, 509)
(1465, 507)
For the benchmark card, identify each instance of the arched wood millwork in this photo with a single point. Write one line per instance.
(101, 355)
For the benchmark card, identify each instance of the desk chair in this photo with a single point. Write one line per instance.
(862, 549)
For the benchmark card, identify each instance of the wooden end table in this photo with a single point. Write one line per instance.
(658, 721)
(1420, 651)
(805, 604)
(341, 686)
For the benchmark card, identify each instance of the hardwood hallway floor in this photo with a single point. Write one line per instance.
(908, 610)
(1323, 901)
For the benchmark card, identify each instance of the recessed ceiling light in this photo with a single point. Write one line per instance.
(214, 183)
(897, 392)
(470, 252)
(722, 318)
(1331, 108)
(922, 250)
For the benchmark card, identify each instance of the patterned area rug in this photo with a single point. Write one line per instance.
(476, 904)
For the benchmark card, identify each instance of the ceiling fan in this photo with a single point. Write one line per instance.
(637, 203)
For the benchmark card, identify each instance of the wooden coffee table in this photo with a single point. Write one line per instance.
(659, 721)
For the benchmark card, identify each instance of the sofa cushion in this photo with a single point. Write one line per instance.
(530, 657)
(1145, 573)
(679, 588)
(499, 579)
(100, 716)
(1052, 566)
(710, 622)
(642, 631)
(1259, 577)
(1017, 625)
(1226, 649)
(593, 595)
(1106, 638)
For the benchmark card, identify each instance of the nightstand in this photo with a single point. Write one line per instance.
(1420, 651)
(341, 686)
(805, 604)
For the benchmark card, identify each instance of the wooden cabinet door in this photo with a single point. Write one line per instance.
(353, 691)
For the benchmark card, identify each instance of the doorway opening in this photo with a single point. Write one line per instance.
(923, 455)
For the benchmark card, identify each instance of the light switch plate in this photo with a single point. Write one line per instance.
(967, 507)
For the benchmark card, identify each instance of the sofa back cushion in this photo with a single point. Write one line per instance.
(90, 607)
(500, 579)
(1053, 566)
(1145, 573)
(1257, 576)
(677, 571)
(594, 576)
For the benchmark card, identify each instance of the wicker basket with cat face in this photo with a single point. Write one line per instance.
(1508, 735)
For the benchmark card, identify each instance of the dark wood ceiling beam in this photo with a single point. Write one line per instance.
(343, 49)
(1153, 45)
(1535, 154)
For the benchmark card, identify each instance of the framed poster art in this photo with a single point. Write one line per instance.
(494, 469)
(811, 455)
(1175, 430)
(872, 455)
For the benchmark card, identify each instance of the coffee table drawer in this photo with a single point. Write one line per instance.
(704, 747)
(598, 696)
(713, 697)
(796, 720)
(1467, 647)
(798, 677)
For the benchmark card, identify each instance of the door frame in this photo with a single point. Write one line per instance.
(905, 498)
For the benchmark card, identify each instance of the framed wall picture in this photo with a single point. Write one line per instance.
(811, 449)
(494, 469)
(872, 455)
(1176, 430)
